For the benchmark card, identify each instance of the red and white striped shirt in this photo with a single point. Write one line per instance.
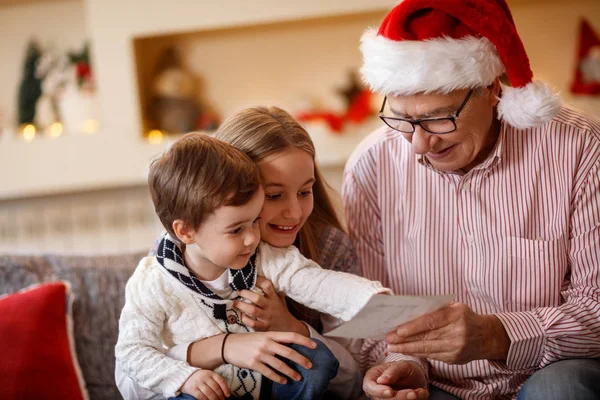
(518, 237)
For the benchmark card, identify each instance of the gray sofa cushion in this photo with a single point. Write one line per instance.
(98, 283)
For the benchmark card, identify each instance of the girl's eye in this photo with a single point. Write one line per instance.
(272, 196)
(305, 193)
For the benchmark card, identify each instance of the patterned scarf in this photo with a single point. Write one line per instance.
(170, 256)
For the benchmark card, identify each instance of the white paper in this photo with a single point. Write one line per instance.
(383, 314)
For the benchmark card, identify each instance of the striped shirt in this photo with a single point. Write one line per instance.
(518, 236)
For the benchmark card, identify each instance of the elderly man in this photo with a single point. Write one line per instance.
(486, 190)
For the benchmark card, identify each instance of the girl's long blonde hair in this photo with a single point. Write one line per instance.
(260, 132)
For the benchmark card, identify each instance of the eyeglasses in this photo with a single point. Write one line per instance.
(438, 126)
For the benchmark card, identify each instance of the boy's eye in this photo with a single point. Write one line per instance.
(236, 231)
(273, 196)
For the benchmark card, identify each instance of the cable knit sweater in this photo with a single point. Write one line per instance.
(161, 311)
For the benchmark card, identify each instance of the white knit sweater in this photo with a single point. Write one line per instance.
(161, 312)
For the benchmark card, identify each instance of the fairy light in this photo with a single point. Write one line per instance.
(155, 136)
(28, 132)
(56, 129)
(89, 126)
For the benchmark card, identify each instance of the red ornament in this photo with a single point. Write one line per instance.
(335, 122)
(587, 74)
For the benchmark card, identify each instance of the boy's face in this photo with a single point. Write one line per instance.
(226, 239)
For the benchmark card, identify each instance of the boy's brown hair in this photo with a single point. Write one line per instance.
(197, 175)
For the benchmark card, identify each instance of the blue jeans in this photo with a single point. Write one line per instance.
(314, 382)
(568, 379)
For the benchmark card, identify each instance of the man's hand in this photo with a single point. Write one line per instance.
(206, 385)
(258, 351)
(268, 312)
(454, 335)
(400, 380)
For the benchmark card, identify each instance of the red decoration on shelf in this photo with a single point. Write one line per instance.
(587, 74)
(335, 122)
(358, 107)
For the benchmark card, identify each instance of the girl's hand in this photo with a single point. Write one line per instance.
(258, 351)
(268, 312)
(206, 385)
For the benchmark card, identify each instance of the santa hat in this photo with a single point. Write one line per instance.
(445, 45)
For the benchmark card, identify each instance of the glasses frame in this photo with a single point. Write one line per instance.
(414, 122)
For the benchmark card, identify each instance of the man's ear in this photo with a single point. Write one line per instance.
(494, 92)
(183, 232)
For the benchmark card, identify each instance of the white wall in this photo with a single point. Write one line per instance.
(118, 155)
(550, 33)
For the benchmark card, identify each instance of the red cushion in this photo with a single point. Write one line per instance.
(38, 360)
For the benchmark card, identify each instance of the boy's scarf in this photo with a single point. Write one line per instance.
(170, 256)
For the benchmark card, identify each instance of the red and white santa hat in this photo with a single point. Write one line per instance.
(445, 45)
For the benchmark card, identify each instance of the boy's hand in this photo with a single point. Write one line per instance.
(258, 351)
(268, 312)
(206, 385)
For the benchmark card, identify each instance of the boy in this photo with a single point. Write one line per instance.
(208, 196)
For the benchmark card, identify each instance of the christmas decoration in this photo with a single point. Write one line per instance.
(175, 107)
(50, 69)
(78, 103)
(358, 107)
(57, 93)
(587, 73)
(30, 89)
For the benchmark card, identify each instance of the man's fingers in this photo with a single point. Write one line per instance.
(422, 394)
(428, 322)
(412, 394)
(377, 391)
(441, 333)
(378, 380)
(395, 373)
(423, 349)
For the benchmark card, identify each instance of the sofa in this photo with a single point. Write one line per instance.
(98, 283)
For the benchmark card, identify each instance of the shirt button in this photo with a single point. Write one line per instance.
(470, 239)
(466, 186)
(232, 319)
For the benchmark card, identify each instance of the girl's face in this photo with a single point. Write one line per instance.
(287, 178)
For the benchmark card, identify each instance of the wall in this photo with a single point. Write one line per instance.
(117, 155)
(550, 33)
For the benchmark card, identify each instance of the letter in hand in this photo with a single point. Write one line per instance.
(206, 385)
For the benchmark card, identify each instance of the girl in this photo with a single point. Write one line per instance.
(297, 211)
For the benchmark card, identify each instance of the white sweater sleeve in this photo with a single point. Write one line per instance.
(335, 293)
(139, 350)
